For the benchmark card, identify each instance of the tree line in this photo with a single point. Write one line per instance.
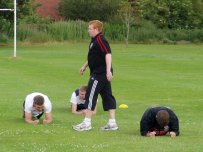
(172, 14)
(160, 14)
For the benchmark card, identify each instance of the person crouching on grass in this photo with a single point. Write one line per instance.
(78, 101)
(158, 121)
(34, 106)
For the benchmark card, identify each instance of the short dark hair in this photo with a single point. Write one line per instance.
(38, 100)
(162, 118)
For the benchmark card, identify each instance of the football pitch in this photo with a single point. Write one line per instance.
(144, 76)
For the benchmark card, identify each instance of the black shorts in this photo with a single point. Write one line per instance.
(80, 107)
(98, 84)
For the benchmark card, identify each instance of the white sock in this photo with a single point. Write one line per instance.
(112, 121)
(87, 121)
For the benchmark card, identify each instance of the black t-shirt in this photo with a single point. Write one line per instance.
(148, 121)
(98, 49)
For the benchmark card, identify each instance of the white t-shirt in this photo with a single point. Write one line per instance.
(75, 99)
(29, 104)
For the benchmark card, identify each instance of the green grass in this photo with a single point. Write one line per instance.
(144, 76)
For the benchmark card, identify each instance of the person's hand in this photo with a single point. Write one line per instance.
(109, 75)
(36, 122)
(173, 134)
(82, 70)
(151, 134)
(46, 121)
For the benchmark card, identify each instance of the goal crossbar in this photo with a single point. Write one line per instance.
(6, 9)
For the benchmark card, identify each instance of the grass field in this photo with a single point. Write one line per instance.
(144, 76)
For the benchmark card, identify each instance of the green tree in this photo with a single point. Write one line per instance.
(25, 12)
(129, 12)
(156, 11)
(24, 8)
(6, 19)
(181, 13)
(6, 4)
(174, 14)
(198, 13)
(88, 9)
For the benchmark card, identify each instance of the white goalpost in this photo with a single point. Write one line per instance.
(15, 24)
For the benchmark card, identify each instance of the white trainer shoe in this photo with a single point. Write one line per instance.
(110, 127)
(82, 127)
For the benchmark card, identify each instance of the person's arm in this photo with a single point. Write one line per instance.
(74, 105)
(146, 124)
(28, 110)
(74, 110)
(174, 126)
(144, 128)
(47, 111)
(108, 67)
(83, 68)
(48, 118)
(28, 119)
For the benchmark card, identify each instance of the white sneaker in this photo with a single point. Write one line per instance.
(110, 127)
(82, 127)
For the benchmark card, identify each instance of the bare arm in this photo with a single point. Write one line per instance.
(108, 67)
(48, 118)
(28, 119)
(74, 110)
(83, 68)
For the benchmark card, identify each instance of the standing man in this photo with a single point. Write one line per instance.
(158, 121)
(35, 105)
(78, 101)
(99, 61)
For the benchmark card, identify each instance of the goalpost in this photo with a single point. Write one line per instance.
(15, 24)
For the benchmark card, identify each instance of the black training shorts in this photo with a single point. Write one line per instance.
(98, 84)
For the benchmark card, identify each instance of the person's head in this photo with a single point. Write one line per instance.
(162, 118)
(95, 27)
(82, 92)
(38, 103)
